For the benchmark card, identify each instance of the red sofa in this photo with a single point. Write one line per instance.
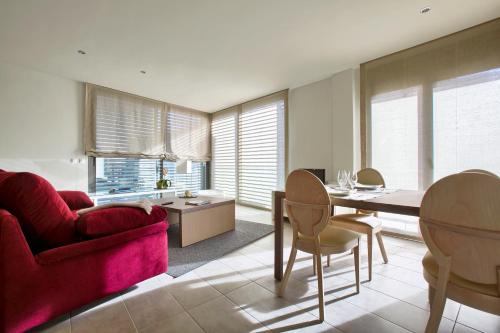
(50, 266)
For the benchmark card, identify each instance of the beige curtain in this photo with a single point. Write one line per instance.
(119, 124)
(474, 50)
(188, 134)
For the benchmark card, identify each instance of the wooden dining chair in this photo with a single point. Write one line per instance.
(486, 172)
(308, 205)
(364, 221)
(460, 223)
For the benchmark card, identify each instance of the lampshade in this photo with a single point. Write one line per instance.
(183, 166)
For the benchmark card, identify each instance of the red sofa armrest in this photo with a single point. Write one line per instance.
(113, 220)
(14, 247)
(76, 199)
(98, 244)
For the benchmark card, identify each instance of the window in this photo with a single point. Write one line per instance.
(466, 127)
(248, 150)
(465, 124)
(133, 138)
(261, 157)
(394, 138)
(433, 110)
(135, 175)
(224, 151)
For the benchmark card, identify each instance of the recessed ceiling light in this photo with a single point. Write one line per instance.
(425, 10)
(82, 52)
(143, 72)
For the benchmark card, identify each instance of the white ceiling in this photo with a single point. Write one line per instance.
(213, 54)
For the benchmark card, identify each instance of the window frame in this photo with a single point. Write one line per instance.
(92, 179)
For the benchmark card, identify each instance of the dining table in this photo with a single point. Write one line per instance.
(404, 202)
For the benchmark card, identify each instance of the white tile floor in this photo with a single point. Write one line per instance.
(237, 293)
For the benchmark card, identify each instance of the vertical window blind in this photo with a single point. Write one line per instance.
(225, 151)
(260, 162)
(433, 110)
(248, 150)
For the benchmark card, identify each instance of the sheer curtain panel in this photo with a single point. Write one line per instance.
(433, 109)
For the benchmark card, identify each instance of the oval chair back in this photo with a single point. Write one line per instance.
(486, 172)
(307, 203)
(369, 176)
(460, 223)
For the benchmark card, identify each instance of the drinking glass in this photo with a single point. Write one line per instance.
(342, 179)
(348, 179)
(354, 179)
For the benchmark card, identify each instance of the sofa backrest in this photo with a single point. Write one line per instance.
(45, 218)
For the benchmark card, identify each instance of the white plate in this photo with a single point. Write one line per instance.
(339, 193)
(367, 187)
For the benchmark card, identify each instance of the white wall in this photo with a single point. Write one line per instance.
(345, 121)
(41, 125)
(324, 124)
(310, 133)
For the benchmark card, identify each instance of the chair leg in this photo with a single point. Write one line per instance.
(370, 250)
(439, 301)
(382, 247)
(314, 265)
(356, 266)
(321, 294)
(328, 261)
(431, 293)
(288, 271)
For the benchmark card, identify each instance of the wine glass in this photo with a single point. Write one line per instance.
(342, 179)
(348, 179)
(353, 179)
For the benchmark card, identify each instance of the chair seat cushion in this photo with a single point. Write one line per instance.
(367, 220)
(431, 267)
(113, 220)
(337, 238)
(45, 218)
(76, 199)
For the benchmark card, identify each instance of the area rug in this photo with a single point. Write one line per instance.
(183, 260)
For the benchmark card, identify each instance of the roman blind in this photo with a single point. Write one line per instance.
(248, 149)
(432, 110)
(119, 124)
(188, 134)
(225, 151)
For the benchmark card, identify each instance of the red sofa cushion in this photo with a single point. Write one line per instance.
(44, 216)
(76, 199)
(113, 220)
(4, 175)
